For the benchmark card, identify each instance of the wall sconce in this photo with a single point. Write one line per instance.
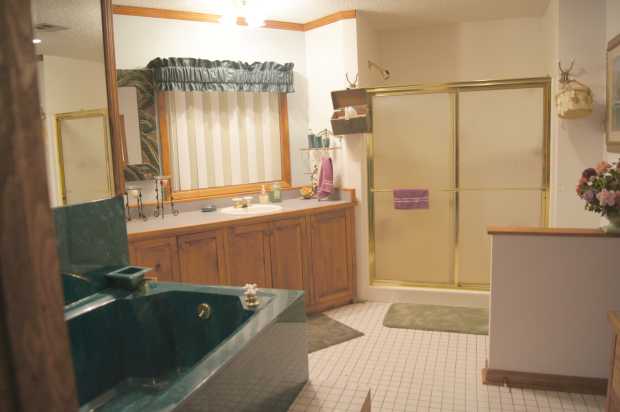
(574, 100)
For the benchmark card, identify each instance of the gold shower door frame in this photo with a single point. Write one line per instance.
(543, 83)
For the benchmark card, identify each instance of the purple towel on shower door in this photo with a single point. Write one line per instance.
(326, 178)
(410, 199)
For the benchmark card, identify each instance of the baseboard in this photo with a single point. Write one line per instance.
(542, 381)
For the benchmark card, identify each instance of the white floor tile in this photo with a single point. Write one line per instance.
(412, 370)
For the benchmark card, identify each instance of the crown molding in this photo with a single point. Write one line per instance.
(214, 18)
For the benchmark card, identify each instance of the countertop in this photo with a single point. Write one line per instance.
(192, 218)
(548, 231)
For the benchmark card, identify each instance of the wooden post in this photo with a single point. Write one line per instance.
(36, 372)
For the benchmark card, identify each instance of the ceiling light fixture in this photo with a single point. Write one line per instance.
(36, 41)
(253, 17)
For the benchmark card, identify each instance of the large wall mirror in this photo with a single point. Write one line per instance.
(73, 88)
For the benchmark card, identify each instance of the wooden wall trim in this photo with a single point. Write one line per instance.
(112, 89)
(332, 18)
(213, 18)
(542, 381)
(34, 341)
(285, 149)
(613, 43)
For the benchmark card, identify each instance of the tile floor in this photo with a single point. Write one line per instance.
(411, 370)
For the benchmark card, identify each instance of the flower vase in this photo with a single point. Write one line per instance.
(614, 224)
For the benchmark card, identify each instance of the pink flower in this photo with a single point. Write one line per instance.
(607, 197)
(583, 180)
(602, 167)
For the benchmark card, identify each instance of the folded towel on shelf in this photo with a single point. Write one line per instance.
(410, 198)
(326, 178)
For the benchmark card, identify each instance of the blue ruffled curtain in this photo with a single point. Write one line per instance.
(190, 75)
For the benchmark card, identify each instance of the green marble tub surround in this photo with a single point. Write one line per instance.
(91, 240)
(153, 352)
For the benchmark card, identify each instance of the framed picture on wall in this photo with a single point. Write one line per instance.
(613, 92)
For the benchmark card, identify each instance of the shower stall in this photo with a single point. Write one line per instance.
(482, 151)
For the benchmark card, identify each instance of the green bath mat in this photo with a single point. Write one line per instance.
(323, 332)
(474, 321)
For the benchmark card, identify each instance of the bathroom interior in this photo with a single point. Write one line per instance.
(333, 205)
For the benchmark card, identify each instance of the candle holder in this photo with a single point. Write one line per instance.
(135, 192)
(163, 187)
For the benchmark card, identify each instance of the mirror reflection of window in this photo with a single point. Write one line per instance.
(71, 74)
(223, 138)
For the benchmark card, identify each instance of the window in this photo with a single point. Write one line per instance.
(219, 139)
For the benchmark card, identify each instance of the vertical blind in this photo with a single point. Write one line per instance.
(223, 138)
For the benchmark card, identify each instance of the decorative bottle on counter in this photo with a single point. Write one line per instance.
(263, 197)
(276, 193)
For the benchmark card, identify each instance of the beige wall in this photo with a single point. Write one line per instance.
(68, 85)
(493, 49)
(578, 143)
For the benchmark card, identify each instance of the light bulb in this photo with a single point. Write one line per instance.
(36, 41)
(228, 20)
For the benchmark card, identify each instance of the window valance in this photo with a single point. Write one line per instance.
(190, 74)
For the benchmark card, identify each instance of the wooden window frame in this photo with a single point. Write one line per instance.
(186, 195)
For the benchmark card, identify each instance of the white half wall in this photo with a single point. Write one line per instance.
(549, 304)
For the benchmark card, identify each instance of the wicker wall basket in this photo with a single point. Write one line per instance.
(574, 100)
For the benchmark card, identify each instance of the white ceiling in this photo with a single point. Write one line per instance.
(82, 40)
(384, 14)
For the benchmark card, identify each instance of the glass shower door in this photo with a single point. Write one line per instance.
(501, 171)
(482, 153)
(415, 151)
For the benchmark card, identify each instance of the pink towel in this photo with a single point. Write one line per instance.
(410, 199)
(326, 178)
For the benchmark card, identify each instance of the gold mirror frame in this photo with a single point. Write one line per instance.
(84, 114)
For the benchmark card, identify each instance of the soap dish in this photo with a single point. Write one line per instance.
(128, 277)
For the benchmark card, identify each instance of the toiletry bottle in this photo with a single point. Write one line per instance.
(276, 194)
(263, 197)
(310, 139)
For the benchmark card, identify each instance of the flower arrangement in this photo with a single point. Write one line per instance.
(600, 188)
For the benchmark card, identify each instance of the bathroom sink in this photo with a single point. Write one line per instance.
(251, 210)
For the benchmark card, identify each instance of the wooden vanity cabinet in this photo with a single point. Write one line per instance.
(314, 252)
(332, 259)
(289, 255)
(202, 257)
(160, 254)
(613, 383)
(249, 255)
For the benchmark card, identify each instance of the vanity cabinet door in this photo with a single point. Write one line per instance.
(331, 258)
(201, 258)
(248, 255)
(289, 254)
(159, 254)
